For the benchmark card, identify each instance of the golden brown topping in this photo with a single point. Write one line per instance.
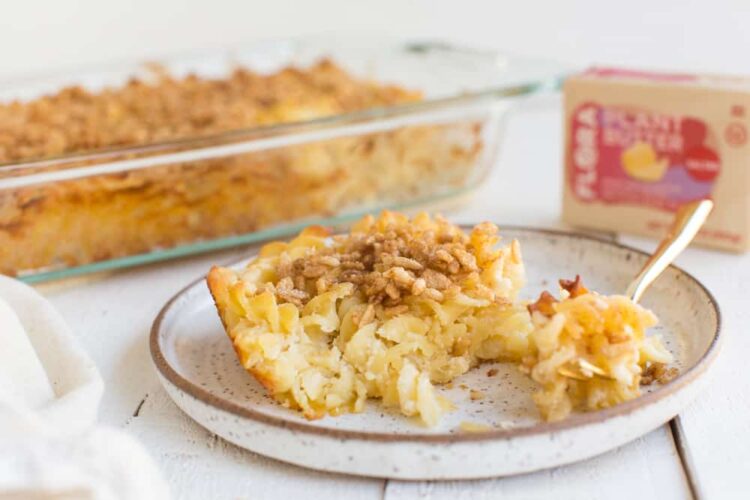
(164, 107)
(330, 261)
(313, 270)
(400, 277)
(574, 287)
(407, 263)
(388, 265)
(418, 286)
(285, 290)
(658, 372)
(492, 372)
(465, 259)
(545, 304)
(392, 291)
(436, 279)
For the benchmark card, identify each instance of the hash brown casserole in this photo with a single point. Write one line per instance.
(397, 306)
(105, 216)
(386, 311)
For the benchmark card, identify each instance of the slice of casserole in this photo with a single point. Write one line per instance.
(387, 311)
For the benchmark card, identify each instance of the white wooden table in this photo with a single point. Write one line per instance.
(112, 315)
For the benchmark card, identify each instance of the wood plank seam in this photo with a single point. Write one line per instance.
(686, 459)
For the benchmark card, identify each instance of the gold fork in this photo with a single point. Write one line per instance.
(688, 220)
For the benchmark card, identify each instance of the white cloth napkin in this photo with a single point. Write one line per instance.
(50, 391)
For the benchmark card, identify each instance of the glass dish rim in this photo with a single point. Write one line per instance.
(527, 87)
(549, 78)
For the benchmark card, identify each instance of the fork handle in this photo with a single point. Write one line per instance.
(688, 220)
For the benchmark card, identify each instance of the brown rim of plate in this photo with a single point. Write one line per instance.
(575, 420)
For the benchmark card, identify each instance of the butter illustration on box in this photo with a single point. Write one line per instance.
(638, 145)
(641, 162)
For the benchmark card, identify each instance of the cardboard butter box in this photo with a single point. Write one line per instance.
(640, 144)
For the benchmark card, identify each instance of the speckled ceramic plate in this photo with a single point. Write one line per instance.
(199, 370)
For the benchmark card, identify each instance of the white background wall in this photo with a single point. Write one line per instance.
(711, 35)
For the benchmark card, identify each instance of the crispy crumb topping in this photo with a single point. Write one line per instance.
(658, 372)
(389, 263)
(545, 304)
(573, 287)
(164, 107)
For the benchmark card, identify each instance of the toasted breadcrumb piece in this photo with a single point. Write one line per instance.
(658, 372)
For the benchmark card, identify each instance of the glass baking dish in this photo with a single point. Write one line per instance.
(110, 208)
